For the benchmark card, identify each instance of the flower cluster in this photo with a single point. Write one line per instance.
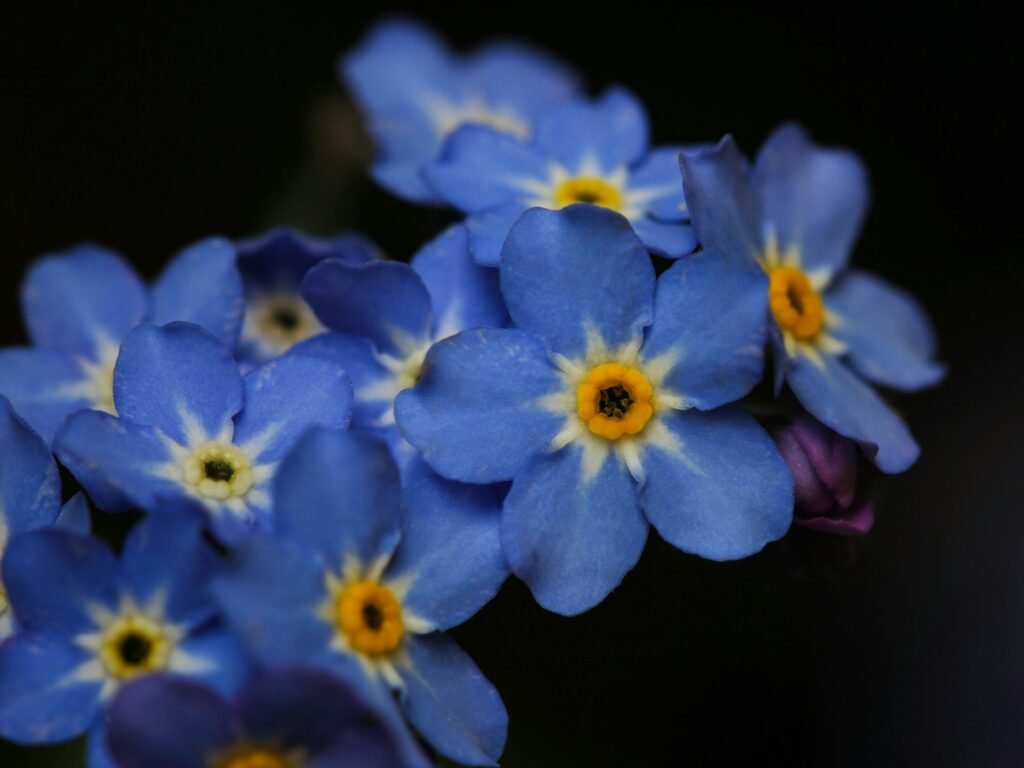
(339, 457)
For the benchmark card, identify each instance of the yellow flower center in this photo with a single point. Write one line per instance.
(132, 646)
(257, 757)
(797, 307)
(282, 320)
(615, 400)
(218, 471)
(586, 189)
(370, 617)
(3, 600)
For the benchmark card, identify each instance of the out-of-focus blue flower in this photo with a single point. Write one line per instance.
(583, 152)
(797, 213)
(191, 427)
(414, 92)
(363, 578)
(386, 315)
(89, 623)
(604, 406)
(272, 267)
(284, 718)
(80, 305)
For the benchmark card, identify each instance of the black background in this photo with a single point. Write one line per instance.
(145, 132)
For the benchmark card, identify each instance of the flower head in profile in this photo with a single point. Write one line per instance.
(283, 718)
(835, 330)
(583, 152)
(190, 427)
(89, 623)
(79, 306)
(607, 406)
(363, 578)
(414, 92)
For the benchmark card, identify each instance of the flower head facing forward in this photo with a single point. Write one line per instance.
(414, 92)
(364, 579)
(583, 152)
(284, 718)
(605, 406)
(191, 428)
(797, 213)
(79, 306)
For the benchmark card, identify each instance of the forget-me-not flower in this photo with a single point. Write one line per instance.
(797, 213)
(604, 406)
(282, 718)
(190, 427)
(583, 152)
(414, 92)
(363, 578)
(79, 306)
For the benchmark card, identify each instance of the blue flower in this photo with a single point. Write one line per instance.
(583, 152)
(387, 315)
(797, 213)
(78, 307)
(604, 406)
(89, 623)
(415, 92)
(190, 427)
(363, 579)
(282, 718)
(272, 267)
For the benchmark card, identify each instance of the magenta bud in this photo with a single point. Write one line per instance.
(824, 467)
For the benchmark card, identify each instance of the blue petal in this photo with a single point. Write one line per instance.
(270, 594)
(118, 463)
(488, 231)
(464, 294)
(287, 396)
(724, 491)
(406, 140)
(482, 168)
(810, 197)
(53, 577)
(29, 481)
(39, 703)
(659, 171)
(97, 755)
(613, 130)
(578, 269)
(449, 701)
(887, 333)
(74, 515)
(357, 358)
(75, 301)
(193, 723)
(572, 539)
(385, 302)
(722, 208)
(840, 400)
(474, 413)
(202, 286)
(711, 313)
(170, 376)
(279, 259)
(450, 550)
(670, 240)
(221, 660)
(44, 387)
(521, 79)
(338, 492)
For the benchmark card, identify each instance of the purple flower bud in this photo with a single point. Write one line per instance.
(824, 467)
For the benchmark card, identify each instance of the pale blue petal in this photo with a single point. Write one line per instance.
(612, 130)
(45, 387)
(488, 231)
(659, 173)
(29, 481)
(74, 515)
(668, 239)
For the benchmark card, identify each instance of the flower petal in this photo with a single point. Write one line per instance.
(612, 130)
(581, 269)
(280, 258)
(710, 314)
(521, 78)
(570, 537)
(660, 181)
(722, 491)
(29, 481)
(75, 516)
(474, 413)
(669, 240)
(45, 387)
(488, 231)
(449, 701)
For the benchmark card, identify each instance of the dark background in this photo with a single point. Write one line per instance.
(145, 132)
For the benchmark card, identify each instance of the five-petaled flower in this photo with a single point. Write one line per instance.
(605, 406)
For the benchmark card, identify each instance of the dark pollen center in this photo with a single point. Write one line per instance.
(796, 301)
(372, 616)
(218, 469)
(588, 197)
(286, 318)
(134, 649)
(615, 401)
